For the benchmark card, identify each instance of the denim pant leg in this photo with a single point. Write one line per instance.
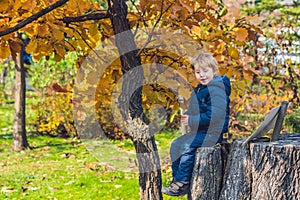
(183, 155)
(177, 149)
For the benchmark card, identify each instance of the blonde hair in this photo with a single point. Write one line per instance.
(205, 60)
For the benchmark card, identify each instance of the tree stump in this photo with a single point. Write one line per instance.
(207, 175)
(264, 170)
(237, 177)
(260, 170)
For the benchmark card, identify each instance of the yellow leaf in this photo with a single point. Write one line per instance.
(173, 116)
(188, 5)
(93, 29)
(37, 56)
(202, 3)
(247, 75)
(42, 30)
(68, 31)
(241, 34)
(230, 72)
(31, 47)
(185, 92)
(4, 51)
(233, 52)
(73, 5)
(30, 30)
(29, 5)
(160, 96)
(4, 5)
(60, 50)
(15, 47)
(241, 84)
(196, 29)
(45, 48)
(57, 57)
(58, 34)
(16, 5)
(220, 48)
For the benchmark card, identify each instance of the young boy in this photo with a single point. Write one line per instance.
(207, 116)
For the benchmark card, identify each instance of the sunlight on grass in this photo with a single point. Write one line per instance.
(58, 168)
(62, 169)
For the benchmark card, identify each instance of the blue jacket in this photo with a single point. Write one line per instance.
(209, 107)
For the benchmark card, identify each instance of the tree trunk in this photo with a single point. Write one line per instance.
(276, 169)
(149, 167)
(261, 170)
(131, 105)
(237, 178)
(206, 180)
(19, 132)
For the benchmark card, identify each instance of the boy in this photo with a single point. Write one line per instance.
(207, 116)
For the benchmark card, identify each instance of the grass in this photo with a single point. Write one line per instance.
(60, 168)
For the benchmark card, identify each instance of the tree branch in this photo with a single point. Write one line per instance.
(33, 18)
(157, 21)
(82, 18)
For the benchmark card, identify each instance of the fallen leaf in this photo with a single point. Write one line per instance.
(92, 166)
(8, 189)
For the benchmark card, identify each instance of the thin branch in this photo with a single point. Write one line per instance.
(142, 18)
(33, 18)
(85, 41)
(82, 18)
(157, 21)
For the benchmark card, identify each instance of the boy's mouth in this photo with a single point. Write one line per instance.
(203, 80)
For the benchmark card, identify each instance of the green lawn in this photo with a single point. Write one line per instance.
(58, 168)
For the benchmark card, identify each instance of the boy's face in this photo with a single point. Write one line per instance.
(204, 75)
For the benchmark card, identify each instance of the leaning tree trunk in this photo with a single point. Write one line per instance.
(131, 105)
(19, 132)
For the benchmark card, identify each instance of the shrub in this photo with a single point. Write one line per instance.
(52, 82)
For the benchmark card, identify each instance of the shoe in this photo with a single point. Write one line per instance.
(176, 188)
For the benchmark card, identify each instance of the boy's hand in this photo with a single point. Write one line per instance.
(185, 120)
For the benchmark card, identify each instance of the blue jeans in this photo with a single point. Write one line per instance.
(183, 150)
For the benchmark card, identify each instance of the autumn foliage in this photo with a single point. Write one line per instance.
(83, 25)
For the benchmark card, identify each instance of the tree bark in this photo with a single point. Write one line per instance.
(276, 169)
(149, 167)
(237, 178)
(206, 180)
(261, 170)
(19, 132)
(131, 105)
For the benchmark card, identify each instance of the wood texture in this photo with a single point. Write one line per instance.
(19, 133)
(207, 174)
(258, 171)
(276, 169)
(237, 178)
